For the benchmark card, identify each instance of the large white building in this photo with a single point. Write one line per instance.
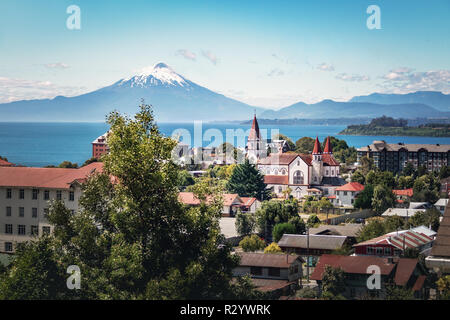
(25, 194)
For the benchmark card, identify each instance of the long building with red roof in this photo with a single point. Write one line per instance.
(25, 194)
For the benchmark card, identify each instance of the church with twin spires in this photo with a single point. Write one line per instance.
(298, 174)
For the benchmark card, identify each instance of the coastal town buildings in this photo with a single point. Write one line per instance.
(346, 194)
(26, 193)
(394, 156)
(100, 146)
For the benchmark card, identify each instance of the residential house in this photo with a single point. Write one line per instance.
(401, 212)
(346, 194)
(394, 244)
(403, 195)
(311, 245)
(25, 194)
(349, 230)
(276, 273)
(402, 272)
(232, 203)
(440, 253)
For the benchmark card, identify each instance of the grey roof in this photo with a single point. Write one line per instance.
(419, 205)
(348, 230)
(441, 202)
(333, 181)
(381, 144)
(274, 260)
(326, 242)
(441, 247)
(426, 231)
(401, 212)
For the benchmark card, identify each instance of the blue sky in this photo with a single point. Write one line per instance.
(265, 53)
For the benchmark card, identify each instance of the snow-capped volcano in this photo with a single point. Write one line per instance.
(159, 75)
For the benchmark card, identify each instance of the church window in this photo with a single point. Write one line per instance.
(298, 177)
(276, 172)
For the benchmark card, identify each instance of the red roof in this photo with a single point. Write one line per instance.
(189, 198)
(268, 179)
(247, 202)
(254, 131)
(328, 159)
(273, 260)
(407, 239)
(404, 192)
(4, 163)
(351, 186)
(52, 178)
(351, 264)
(327, 148)
(359, 264)
(317, 149)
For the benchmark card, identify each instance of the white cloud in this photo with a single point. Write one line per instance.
(325, 67)
(404, 80)
(20, 89)
(276, 72)
(57, 65)
(186, 54)
(210, 56)
(352, 77)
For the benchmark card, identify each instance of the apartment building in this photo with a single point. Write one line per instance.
(100, 146)
(25, 194)
(394, 156)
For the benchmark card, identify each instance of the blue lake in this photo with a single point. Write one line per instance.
(41, 144)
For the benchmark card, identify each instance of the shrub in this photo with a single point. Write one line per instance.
(273, 248)
(282, 228)
(252, 243)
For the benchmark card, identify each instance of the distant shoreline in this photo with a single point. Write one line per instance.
(366, 130)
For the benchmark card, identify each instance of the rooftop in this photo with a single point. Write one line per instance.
(401, 239)
(351, 186)
(52, 178)
(327, 242)
(382, 145)
(441, 247)
(348, 230)
(273, 260)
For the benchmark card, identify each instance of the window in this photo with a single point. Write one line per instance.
(256, 271)
(21, 229)
(35, 194)
(379, 251)
(8, 246)
(46, 230)
(59, 195)
(8, 228)
(276, 172)
(34, 230)
(21, 212)
(8, 193)
(345, 193)
(71, 196)
(280, 189)
(8, 211)
(294, 269)
(45, 212)
(370, 250)
(46, 195)
(274, 272)
(298, 177)
(387, 251)
(283, 172)
(21, 194)
(34, 212)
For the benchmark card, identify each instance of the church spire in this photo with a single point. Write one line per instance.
(327, 148)
(317, 149)
(254, 131)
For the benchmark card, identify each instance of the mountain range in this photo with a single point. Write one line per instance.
(177, 99)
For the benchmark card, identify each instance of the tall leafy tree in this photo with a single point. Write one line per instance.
(247, 181)
(132, 238)
(383, 198)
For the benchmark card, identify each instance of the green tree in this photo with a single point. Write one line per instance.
(313, 221)
(304, 145)
(91, 160)
(273, 212)
(247, 181)
(358, 176)
(273, 248)
(68, 165)
(428, 218)
(184, 179)
(372, 229)
(394, 292)
(365, 165)
(333, 281)
(245, 223)
(132, 239)
(252, 243)
(364, 198)
(282, 228)
(426, 188)
(383, 198)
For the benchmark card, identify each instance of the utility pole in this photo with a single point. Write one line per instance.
(307, 254)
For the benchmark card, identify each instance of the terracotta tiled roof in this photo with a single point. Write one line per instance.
(189, 198)
(408, 239)
(329, 160)
(285, 158)
(441, 247)
(274, 260)
(351, 186)
(404, 192)
(419, 283)
(52, 178)
(268, 179)
(247, 201)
